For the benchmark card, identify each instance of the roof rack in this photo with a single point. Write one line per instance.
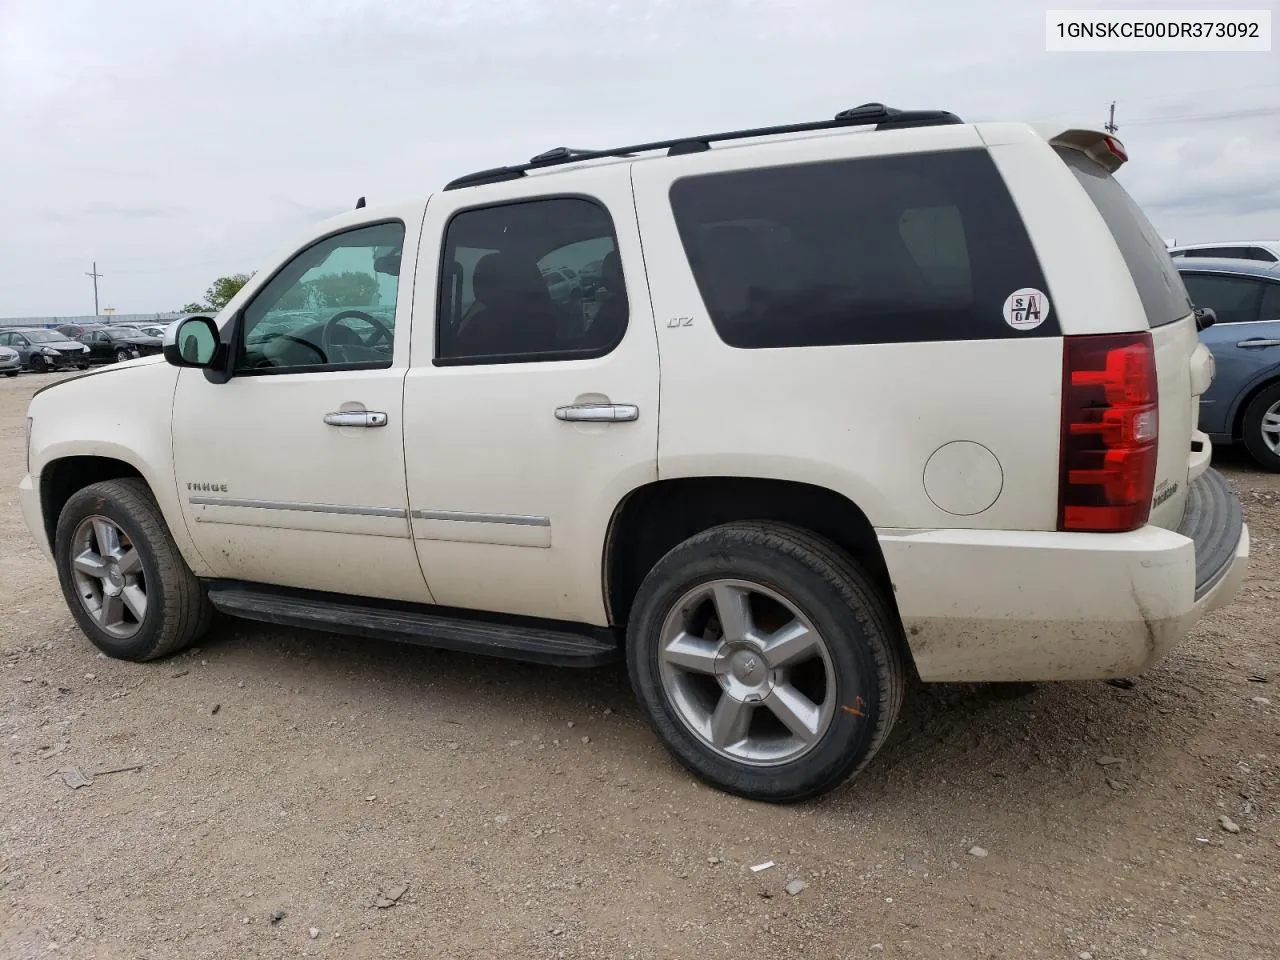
(884, 118)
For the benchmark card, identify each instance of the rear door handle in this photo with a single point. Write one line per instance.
(1258, 342)
(356, 418)
(598, 412)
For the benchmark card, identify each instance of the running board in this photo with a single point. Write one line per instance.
(532, 641)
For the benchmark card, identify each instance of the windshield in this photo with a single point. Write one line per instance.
(43, 336)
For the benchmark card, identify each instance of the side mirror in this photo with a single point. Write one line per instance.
(1205, 318)
(192, 342)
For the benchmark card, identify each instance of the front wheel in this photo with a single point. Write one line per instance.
(1261, 428)
(769, 663)
(122, 575)
(38, 364)
(11, 373)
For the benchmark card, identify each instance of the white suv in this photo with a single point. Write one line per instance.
(858, 400)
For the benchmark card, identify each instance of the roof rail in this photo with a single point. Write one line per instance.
(884, 118)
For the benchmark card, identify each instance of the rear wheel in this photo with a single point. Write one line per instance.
(1261, 427)
(122, 575)
(768, 661)
(122, 355)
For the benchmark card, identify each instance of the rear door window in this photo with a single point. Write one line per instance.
(1232, 299)
(1270, 309)
(1164, 298)
(908, 248)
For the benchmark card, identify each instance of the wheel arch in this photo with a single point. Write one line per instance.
(1245, 397)
(65, 474)
(61, 478)
(656, 517)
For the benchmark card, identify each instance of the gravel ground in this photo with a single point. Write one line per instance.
(301, 794)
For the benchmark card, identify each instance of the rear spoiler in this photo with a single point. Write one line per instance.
(1101, 148)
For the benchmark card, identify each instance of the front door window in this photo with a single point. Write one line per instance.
(332, 307)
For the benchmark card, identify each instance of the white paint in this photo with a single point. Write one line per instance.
(963, 478)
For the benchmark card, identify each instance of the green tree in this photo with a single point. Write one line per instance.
(219, 294)
(350, 289)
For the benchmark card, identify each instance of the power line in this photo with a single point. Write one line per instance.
(1205, 117)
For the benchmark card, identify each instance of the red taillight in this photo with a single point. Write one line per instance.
(1110, 432)
(1116, 149)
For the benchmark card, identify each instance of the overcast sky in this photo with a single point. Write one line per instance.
(175, 143)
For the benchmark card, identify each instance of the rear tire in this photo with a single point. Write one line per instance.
(122, 356)
(750, 716)
(1260, 426)
(122, 576)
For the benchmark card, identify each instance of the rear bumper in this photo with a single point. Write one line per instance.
(982, 605)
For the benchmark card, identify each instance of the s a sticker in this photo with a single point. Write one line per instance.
(1026, 309)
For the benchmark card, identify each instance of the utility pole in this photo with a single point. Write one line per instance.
(1110, 125)
(95, 276)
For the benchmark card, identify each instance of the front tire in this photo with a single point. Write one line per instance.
(122, 576)
(11, 373)
(38, 364)
(1261, 428)
(768, 661)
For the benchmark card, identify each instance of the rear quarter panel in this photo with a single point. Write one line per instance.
(864, 419)
(1093, 292)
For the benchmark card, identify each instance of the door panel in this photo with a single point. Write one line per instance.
(511, 505)
(272, 492)
(1243, 346)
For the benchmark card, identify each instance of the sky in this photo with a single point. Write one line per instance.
(175, 143)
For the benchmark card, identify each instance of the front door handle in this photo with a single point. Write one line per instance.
(598, 412)
(1258, 342)
(356, 418)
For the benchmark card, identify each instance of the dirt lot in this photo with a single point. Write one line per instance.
(529, 813)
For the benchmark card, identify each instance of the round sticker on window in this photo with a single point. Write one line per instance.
(1026, 309)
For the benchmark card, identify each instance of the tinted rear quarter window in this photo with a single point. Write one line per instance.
(911, 248)
(1164, 298)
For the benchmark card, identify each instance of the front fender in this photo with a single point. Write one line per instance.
(123, 414)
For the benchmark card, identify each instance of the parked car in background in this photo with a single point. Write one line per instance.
(10, 362)
(42, 350)
(118, 344)
(1243, 403)
(151, 329)
(1264, 251)
(74, 331)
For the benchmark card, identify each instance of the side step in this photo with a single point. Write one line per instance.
(533, 641)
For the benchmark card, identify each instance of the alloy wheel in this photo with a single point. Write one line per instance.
(747, 672)
(108, 574)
